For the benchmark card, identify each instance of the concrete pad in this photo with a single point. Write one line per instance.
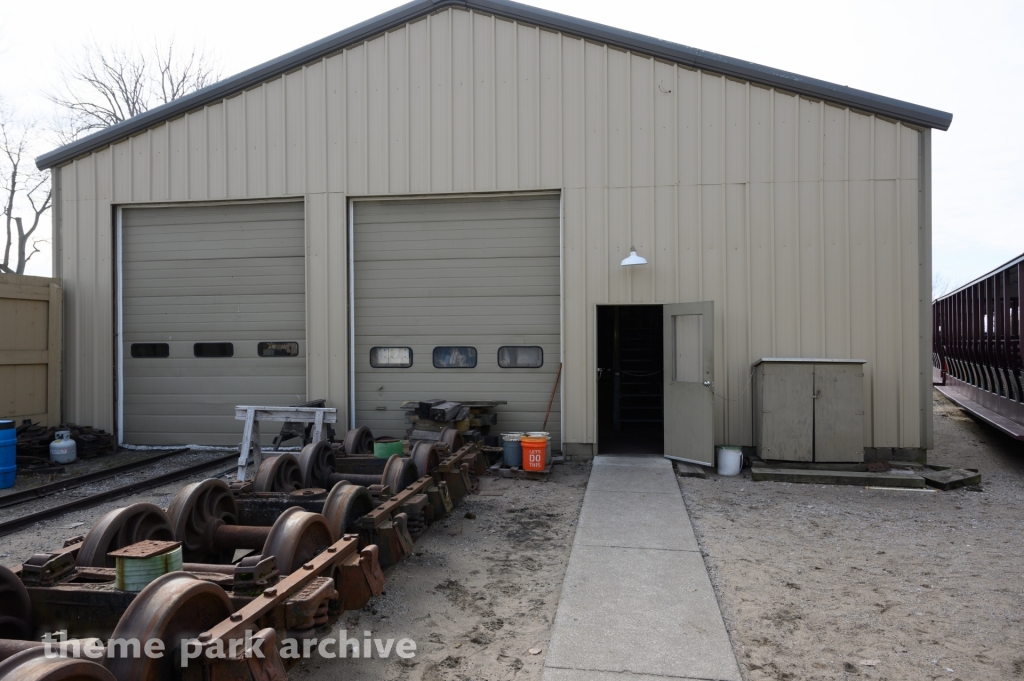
(640, 611)
(635, 520)
(653, 461)
(552, 674)
(640, 478)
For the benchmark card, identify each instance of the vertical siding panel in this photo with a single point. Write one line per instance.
(483, 102)
(617, 215)
(574, 114)
(596, 113)
(785, 147)
(419, 104)
(666, 245)
(88, 300)
(506, 105)
(140, 171)
(712, 142)
(103, 329)
(398, 111)
(355, 119)
(336, 289)
(463, 66)
(295, 133)
(909, 153)
(618, 103)
(760, 135)
(712, 240)
(860, 147)
(834, 142)
(198, 156)
(641, 120)
(551, 81)
(687, 100)
(236, 145)
(71, 272)
(689, 259)
(315, 147)
(885, 149)
(337, 154)
(810, 140)
(440, 102)
(596, 219)
(577, 331)
(318, 267)
(122, 189)
(862, 288)
(271, 137)
(735, 315)
(257, 138)
(810, 269)
(787, 270)
(665, 124)
(527, 103)
(159, 181)
(762, 320)
(911, 301)
(836, 272)
(887, 362)
(177, 159)
(217, 152)
(377, 115)
(641, 279)
(736, 113)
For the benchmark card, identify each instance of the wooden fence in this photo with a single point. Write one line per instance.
(31, 334)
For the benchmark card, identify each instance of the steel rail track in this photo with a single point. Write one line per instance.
(92, 500)
(53, 487)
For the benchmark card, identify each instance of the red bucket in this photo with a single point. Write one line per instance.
(534, 453)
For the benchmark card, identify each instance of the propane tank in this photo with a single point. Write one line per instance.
(63, 449)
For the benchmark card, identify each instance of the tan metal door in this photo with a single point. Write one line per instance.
(838, 412)
(689, 330)
(213, 310)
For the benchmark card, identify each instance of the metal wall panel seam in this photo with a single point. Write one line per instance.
(799, 236)
(537, 178)
(874, 297)
(900, 407)
(723, 259)
(119, 335)
(925, 245)
(515, 109)
(749, 255)
(771, 211)
(629, 168)
(699, 130)
(823, 339)
(846, 228)
(472, 100)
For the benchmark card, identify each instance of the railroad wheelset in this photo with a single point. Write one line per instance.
(279, 473)
(33, 664)
(120, 528)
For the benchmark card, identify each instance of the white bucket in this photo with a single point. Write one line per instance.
(730, 460)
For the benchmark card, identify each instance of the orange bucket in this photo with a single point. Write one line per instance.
(534, 450)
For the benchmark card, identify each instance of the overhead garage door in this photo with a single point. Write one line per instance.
(213, 315)
(452, 282)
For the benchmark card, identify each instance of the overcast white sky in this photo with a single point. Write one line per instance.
(963, 57)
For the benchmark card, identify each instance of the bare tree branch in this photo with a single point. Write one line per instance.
(20, 186)
(105, 86)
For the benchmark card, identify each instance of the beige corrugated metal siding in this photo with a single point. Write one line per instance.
(482, 273)
(220, 273)
(806, 223)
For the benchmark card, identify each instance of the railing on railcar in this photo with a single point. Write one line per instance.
(976, 334)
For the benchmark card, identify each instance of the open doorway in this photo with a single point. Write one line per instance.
(630, 384)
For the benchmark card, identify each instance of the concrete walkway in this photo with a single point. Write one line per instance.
(637, 603)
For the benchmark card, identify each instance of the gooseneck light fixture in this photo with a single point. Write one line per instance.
(633, 259)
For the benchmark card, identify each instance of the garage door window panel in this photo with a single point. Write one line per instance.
(150, 350)
(454, 357)
(391, 358)
(213, 349)
(520, 357)
(277, 349)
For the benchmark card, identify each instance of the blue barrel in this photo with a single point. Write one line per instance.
(512, 450)
(8, 464)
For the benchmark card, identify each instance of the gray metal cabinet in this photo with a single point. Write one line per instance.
(809, 409)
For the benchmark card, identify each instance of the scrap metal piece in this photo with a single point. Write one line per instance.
(46, 569)
(253, 574)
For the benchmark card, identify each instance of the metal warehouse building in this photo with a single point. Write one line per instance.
(436, 203)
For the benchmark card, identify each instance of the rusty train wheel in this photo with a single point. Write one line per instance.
(15, 607)
(399, 473)
(316, 462)
(452, 438)
(123, 527)
(193, 510)
(346, 504)
(296, 537)
(359, 441)
(33, 665)
(425, 457)
(173, 608)
(279, 473)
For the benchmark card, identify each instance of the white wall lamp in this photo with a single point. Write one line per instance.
(633, 258)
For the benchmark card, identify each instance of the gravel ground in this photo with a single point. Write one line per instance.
(830, 582)
(50, 534)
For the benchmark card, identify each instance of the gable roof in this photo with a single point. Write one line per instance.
(661, 49)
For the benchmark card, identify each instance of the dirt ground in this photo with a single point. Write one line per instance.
(479, 594)
(821, 582)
